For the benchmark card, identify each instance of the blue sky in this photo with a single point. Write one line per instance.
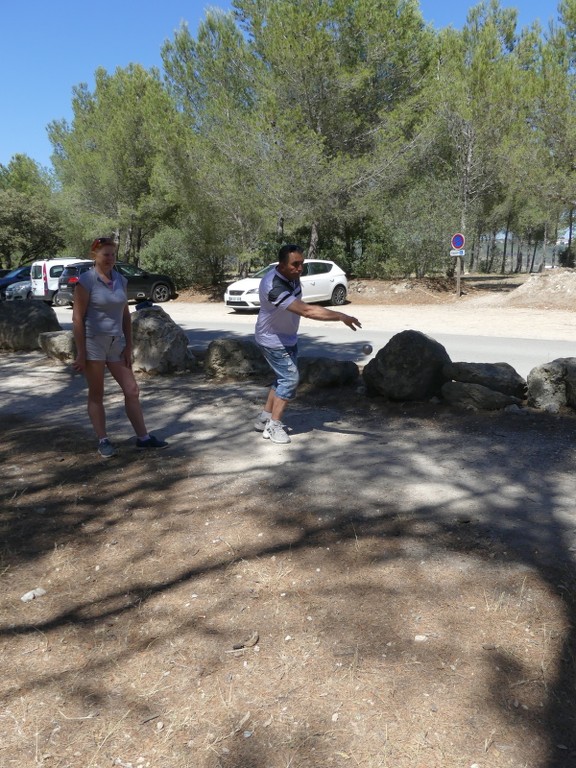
(47, 48)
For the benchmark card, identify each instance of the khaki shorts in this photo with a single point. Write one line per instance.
(109, 349)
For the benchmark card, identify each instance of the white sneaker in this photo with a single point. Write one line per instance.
(275, 431)
(260, 423)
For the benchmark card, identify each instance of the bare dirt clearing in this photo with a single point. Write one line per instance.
(408, 572)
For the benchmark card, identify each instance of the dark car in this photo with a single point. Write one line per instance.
(14, 276)
(142, 285)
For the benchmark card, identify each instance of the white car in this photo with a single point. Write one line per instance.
(44, 275)
(320, 281)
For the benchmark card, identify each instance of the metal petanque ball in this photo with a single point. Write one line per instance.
(367, 349)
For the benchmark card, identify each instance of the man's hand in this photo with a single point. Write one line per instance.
(350, 321)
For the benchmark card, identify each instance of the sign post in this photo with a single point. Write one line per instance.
(458, 242)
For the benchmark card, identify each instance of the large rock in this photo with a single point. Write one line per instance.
(320, 372)
(476, 397)
(552, 386)
(21, 322)
(235, 359)
(409, 367)
(500, 377)
(159, 345)
(58, 345)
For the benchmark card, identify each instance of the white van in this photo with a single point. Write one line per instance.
(44, 276)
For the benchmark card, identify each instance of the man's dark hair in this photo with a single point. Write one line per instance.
(286, 250)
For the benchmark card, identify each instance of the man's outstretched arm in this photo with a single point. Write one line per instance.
(316, 312)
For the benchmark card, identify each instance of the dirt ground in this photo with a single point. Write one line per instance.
(328, 608)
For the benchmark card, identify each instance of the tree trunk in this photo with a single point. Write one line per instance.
(531, 269)
(128, 243)
(280, 229)
(474, 253)
(519, 256)
(313, 246)
(492, 252)
(504, 253)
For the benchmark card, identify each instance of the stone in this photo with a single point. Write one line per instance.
(547, 387)
(476, 397)
(235, 359)
(58, 345)
(159, 345)
(570, 381)
(320, 372)
(21, 323)
(500, 377)
(409, 367)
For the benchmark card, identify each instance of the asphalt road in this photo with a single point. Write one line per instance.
(522, 338)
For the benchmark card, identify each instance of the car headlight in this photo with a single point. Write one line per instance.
(252, 290)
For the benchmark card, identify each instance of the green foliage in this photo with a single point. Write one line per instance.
(106, 158)
(566, 258)
(168, 253)
(29, 228)
(348, 126)
(30, 224)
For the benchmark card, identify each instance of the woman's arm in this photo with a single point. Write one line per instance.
(81, 298)
(127, 330)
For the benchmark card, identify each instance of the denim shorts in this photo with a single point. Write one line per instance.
(110, 349)
(284, 363)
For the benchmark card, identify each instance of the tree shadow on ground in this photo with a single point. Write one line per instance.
(390, 485)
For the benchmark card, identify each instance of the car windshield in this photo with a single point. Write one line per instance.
(14, 272)
(129, 270)
(263, 271)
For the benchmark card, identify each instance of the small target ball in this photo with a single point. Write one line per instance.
(367, 349)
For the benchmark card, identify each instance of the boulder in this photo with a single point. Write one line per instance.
(499, 377)
(476, 396)
(319, 372)
(159, 345)
(409, 367)
(235, 359)
(21, 322)
(570, 381)
(58, 345)
(552, 386)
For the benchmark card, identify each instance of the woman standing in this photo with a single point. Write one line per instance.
(103, 336)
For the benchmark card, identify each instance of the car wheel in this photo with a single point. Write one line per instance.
(57, 301)
(338, 296)
(160, 293)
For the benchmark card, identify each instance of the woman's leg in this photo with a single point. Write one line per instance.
(125, 378)
(94, 372)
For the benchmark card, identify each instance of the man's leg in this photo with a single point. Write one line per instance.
(284, 363)
(278, 406)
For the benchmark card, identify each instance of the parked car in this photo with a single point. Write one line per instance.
(44, 276)
(142, 285)
(67, 281)
(14, 276)
(19, 291)
(320, 280)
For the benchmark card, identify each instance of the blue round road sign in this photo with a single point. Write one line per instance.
(458, 241)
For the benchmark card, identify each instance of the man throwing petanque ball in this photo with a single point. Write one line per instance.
(281, 308)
